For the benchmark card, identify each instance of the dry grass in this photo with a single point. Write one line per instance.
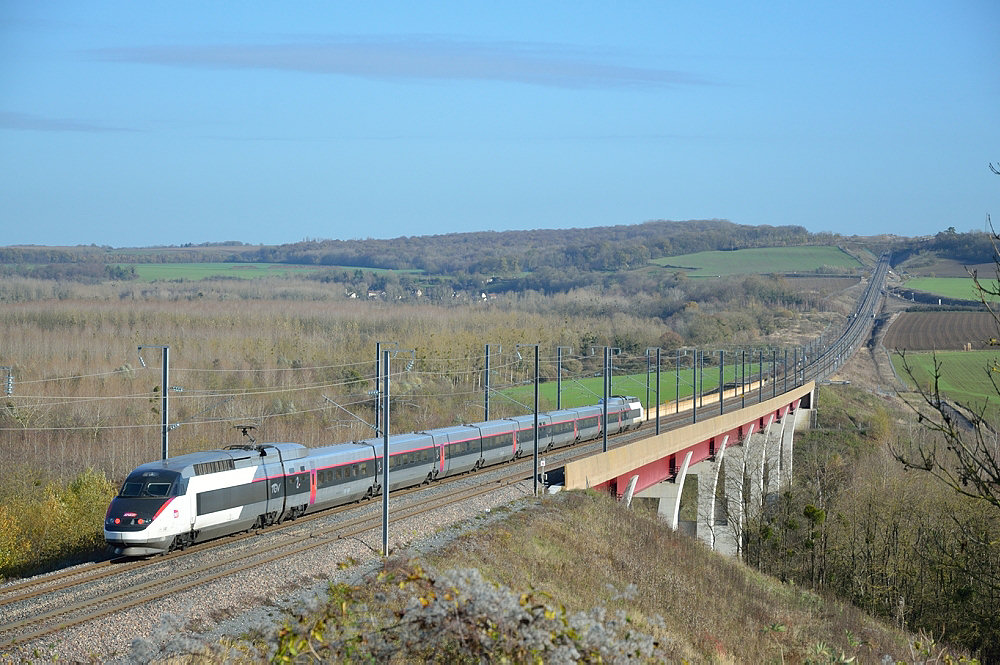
(82, 399)
(584, 549)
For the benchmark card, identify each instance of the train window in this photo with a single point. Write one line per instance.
(157, 489)
(131, 489)
(158, 483)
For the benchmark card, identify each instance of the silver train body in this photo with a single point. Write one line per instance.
(172, 503)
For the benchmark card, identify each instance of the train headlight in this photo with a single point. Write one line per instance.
(118, 520)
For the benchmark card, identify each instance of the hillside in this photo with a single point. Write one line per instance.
(575, 577)
(484, 253)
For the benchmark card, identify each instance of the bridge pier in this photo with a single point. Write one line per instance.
(736, 460)
(733, 484)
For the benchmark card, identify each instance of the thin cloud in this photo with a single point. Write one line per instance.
(30, 122)
(410, 58)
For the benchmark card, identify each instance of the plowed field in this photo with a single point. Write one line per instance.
(927, 331)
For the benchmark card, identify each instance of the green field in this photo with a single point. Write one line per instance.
(949, 287)
(965, 376)
(151, 272)
(761, 261)
(583, 392)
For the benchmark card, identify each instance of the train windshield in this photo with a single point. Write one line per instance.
(151, 484)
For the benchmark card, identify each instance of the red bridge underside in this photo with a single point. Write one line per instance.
(668, 466)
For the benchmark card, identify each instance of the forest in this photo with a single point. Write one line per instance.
(487, 253)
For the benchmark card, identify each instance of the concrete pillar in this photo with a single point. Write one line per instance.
(736, 491)
(787, 448)
(763, 450)
(672, 499)
(669, 492)
(713, 520)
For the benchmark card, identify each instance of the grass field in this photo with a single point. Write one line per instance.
(965, 376)
(151, 272)
(949, 287)
(760, 261)
(583, 392)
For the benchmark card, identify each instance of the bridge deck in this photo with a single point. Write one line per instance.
(650, 458)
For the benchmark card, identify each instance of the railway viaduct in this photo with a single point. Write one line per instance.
(732, 462)
(711, 477)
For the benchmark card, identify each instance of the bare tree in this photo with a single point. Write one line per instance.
(969, 461)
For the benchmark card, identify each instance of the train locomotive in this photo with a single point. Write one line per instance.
(172, 503)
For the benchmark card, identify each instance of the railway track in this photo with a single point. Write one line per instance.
(34, 611)
(34, 608)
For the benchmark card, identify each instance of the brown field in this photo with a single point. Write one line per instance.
(926, 331)
(824, 285)
(932, 266)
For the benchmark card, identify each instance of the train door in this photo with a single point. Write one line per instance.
(274, 477)
(312, 484)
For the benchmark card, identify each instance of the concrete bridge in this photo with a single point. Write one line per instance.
(730, 464)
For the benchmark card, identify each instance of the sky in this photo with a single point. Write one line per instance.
(135, 124)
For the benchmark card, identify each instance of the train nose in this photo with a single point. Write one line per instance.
(132, 514)
(128, 519)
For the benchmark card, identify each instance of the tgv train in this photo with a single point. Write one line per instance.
(172, 503)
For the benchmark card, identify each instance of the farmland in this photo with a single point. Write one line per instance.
(966, 376)
(151, 272)
(926, 331)
(762, 261)
(961, 288)
(583, 391)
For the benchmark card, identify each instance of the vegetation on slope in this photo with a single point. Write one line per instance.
(895, 543)
(813, 259)
(577, 577)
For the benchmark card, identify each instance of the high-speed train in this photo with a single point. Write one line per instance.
(172, 503)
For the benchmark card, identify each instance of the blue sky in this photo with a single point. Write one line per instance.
(134, 123)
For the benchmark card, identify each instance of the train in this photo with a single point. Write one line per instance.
(173, 503)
